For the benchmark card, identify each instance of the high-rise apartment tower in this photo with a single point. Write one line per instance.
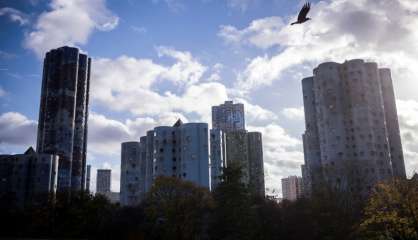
(63, 114)
(352, 138)
(103, 180)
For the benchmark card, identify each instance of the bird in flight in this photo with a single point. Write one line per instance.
(303, 13)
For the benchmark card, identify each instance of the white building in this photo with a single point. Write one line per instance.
(292, 188)
(352, 138)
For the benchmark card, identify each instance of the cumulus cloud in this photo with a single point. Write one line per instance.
(282, 154)
(16, 129)
(107, 134)
(14, 15)
(294, 113)
(384, 31)
(69, 22)
(129, 84)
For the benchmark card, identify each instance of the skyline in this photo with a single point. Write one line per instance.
(268, 82)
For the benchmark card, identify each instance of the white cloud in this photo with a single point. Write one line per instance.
(256, 115)
(69, 22)
(129, 84)
(384, 31)
(294, 113)
(263, 33)
(185, 70)
(16, 129)
(14, 15)
(282, 155)
(408, 121)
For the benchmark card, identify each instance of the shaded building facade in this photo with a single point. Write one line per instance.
(63, 114)
(131, 186)
(182, 151)
(178, 151)
(29, 178)
(352, 138)
(232, 144)
(88, 175)
(103, 180)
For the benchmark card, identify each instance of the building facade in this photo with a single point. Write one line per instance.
(232, 144)
(178, 151)
(217, 156)
(228, 116)
(131, 186)
(63, 114)
(88, 173)
(292, 188)
(103, 180)
(352, 138)
(245, 149)
(182, 151)
(29, 178)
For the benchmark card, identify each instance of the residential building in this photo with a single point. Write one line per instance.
(217, 156)
(182, 151)
(246, 150)
(292, 188)
(63, 113)
(179, 151)
(352, 138)
(88, 178)
(228, 116)
(103, 180)
(131, 186)
(29, 178)
(231, 143)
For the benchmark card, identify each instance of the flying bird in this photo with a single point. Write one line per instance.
(303, 13)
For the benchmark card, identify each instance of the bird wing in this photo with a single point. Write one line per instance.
(304, 12)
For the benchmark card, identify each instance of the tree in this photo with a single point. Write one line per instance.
(392, 211)
(177, 209)
(233, 216)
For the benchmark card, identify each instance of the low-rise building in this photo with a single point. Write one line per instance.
(29, 178)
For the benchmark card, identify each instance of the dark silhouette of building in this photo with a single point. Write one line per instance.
(63, 114)
(231, 143)
(29, 178)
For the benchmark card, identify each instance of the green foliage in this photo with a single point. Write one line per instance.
(392, 211)
(177, 209)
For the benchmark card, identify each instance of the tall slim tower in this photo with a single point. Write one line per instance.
(231, 143)
(352, 138)
(131, 186)
(103, 180)
(88, 175)
(63, 114)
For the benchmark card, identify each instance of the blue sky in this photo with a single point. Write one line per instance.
(157, 60)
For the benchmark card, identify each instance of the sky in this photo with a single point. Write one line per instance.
(158, 60)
